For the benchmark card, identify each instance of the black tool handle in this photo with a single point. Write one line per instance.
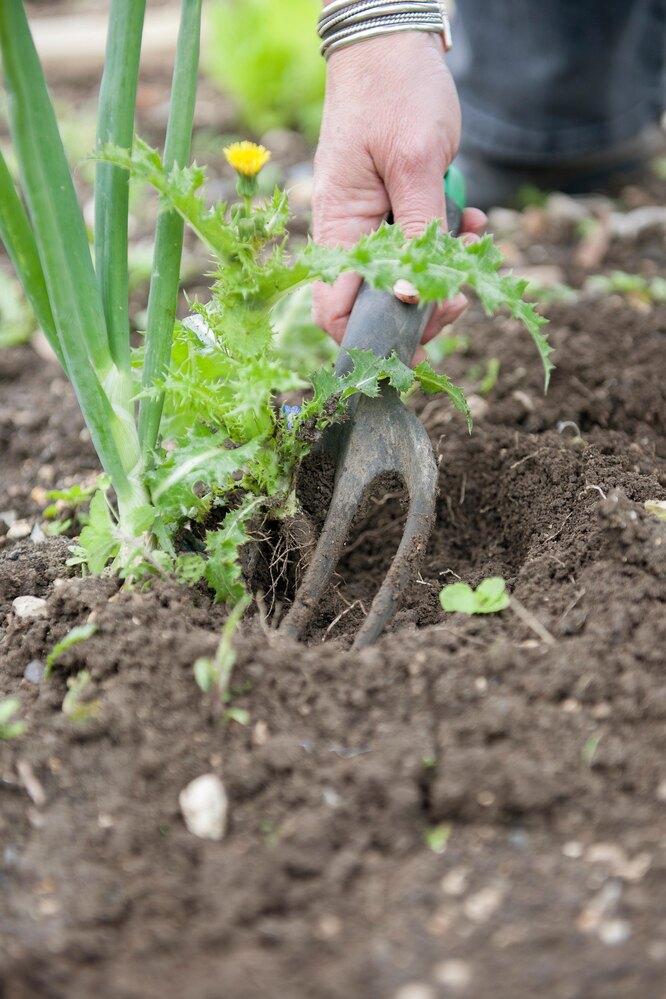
(382, 323)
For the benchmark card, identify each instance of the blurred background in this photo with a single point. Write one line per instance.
(261, 78)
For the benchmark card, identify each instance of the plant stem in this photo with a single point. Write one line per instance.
(60, 232)
(17, 235)
(62, 245)
(115, 124)
(163, 295)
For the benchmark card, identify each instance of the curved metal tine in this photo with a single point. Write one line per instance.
(344, 505)
(420, 478)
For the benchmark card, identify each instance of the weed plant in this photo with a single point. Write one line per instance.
(188, 427)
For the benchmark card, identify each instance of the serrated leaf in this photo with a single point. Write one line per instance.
(431, 382)
(325, 384)
(98, 538)
(223, 572)
(204, 461)
(400, 376)
(189, 568)
(369, 370)
(365, 374)
(438, 265)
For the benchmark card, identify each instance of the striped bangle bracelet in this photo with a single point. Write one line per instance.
(344, 22)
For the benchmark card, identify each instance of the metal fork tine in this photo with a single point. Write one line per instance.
(385, 436)
(344, 504)
(420, 519)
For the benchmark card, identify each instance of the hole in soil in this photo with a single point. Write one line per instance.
(370, 549)
(280, 561)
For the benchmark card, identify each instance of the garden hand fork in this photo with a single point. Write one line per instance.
(381, 435)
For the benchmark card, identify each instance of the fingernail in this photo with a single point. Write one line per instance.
(405, 292)
(460, 301)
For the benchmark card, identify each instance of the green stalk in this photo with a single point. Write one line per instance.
(17, 235)
(62, 245)
(53, 206)
(115, 125)
(163, 294)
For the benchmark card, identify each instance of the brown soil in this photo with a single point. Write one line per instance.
(542, 758)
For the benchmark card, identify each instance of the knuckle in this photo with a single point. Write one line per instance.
(414, 157)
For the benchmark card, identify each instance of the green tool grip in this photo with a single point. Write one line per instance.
(455, 193)
(381, 323)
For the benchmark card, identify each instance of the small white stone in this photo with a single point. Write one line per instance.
(614, 931)
(204, 805)
(455, 882)
(456, 975)
(28, 607)
(481, 906)
(562, 207)
(629, 225)
(573, 849)
(636, 869)
(609, 854)
(331, 797)
(600, 908)
(37, 535)
(20, 529)
(415, 990)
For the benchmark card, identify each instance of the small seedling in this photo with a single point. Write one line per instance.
(10, 729)
(77, 634)
(634, 287)
(657, 508)
(216, 672)
(437, 837)
(590, 747)
(489, 597)
(485, 374)
(76, 706)
(66, 505)
(238, 715)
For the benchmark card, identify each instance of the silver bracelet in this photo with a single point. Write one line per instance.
(344, 22)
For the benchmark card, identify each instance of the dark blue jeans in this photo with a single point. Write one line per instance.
(551, 80)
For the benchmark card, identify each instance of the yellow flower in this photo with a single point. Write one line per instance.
(247, 158)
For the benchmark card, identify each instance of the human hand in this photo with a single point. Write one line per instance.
(390, 130)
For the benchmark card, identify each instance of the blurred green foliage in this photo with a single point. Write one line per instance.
(265, 54)
(17, 323)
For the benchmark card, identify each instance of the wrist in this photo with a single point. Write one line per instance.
(400, 53)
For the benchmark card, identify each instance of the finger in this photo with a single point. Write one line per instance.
(474, 220)
(416, 192)
(332, 304)
(419, 355)
(443, 315)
